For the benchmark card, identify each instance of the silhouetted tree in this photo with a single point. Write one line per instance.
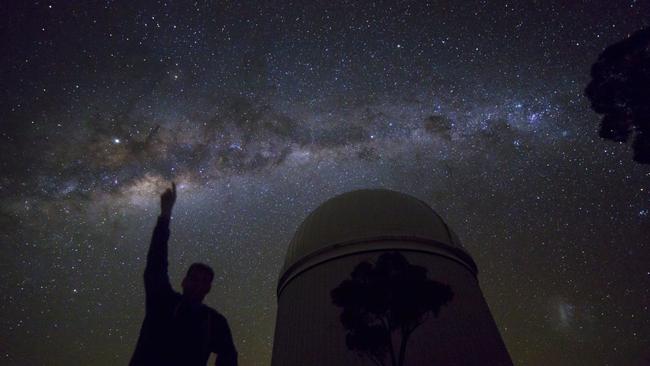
(620, 91)
(391, 298)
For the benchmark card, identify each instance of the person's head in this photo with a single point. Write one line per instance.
(197, 282)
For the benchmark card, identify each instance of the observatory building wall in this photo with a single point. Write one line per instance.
(309, 329)
(369, 266)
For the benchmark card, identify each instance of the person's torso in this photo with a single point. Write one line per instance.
(178, 334)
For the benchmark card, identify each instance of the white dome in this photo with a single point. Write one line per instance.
(348, 223)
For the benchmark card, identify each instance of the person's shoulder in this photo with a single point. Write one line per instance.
(212, 310)
(214, 314)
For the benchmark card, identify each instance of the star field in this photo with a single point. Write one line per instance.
(260, 112)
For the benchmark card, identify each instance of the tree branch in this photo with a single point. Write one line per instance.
(375, 359)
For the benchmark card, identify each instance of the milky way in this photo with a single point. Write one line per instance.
(260, 113)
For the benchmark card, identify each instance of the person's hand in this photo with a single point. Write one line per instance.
(167, 200)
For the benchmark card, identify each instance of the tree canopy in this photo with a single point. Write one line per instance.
(620, 91)
(387, 301)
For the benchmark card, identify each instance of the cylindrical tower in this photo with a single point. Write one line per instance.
(376, 277)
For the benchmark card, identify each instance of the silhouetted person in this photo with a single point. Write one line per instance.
(179, 329)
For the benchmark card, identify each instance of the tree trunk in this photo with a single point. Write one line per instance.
(389, 340)
(402, 348)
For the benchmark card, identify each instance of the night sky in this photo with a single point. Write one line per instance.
(262, 112)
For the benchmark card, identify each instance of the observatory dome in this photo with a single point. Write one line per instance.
(361, 221)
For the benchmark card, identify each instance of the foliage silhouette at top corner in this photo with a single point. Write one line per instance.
(620, 91)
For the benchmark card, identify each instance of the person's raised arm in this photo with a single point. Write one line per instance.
(156, 278)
